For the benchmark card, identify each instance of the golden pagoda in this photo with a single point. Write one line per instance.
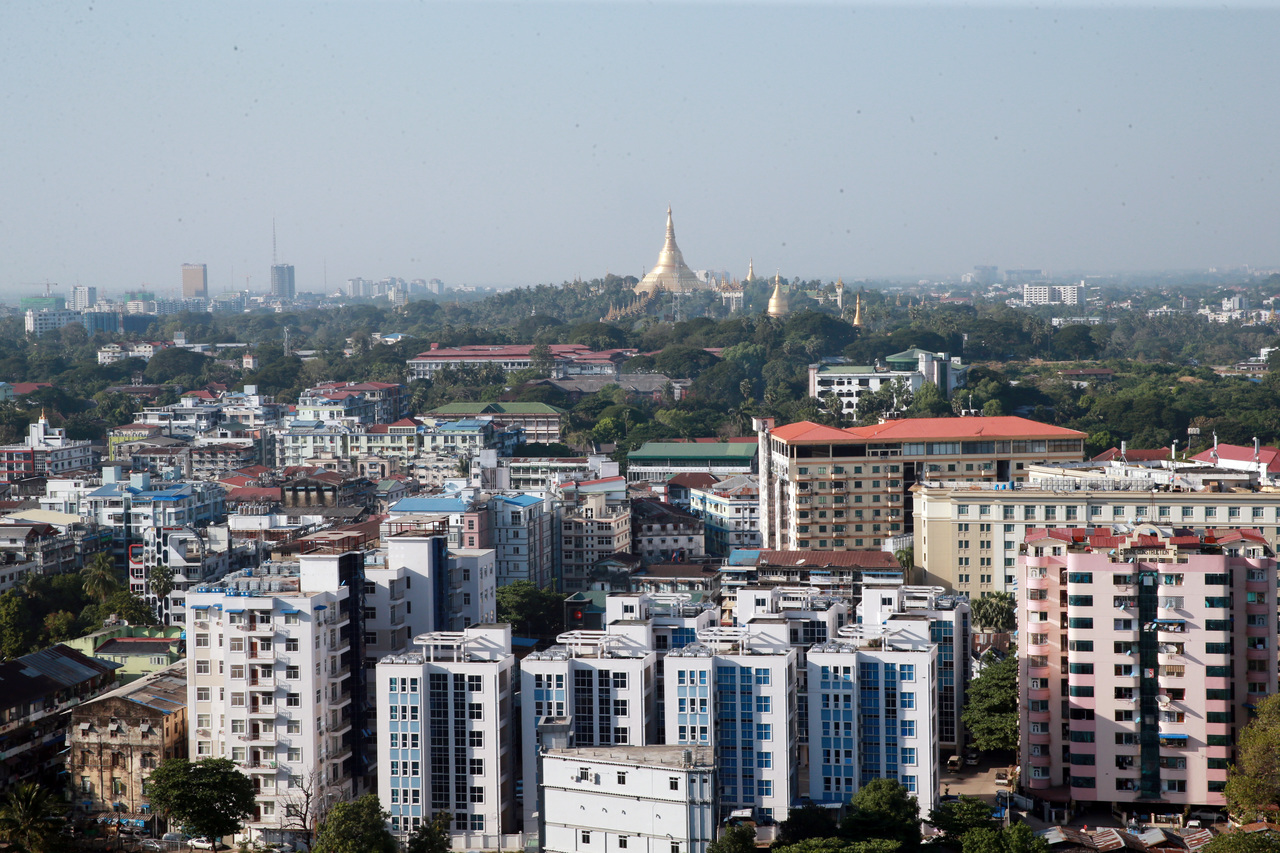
(779, 302)
(857, 311)
(671, 273)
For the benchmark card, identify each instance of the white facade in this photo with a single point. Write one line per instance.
(473, 588)
(873, 714)
(654, 799)
(887, 604)
(735, 690)
(522, 527)
(445, 739)
(1052, 294)
(399, 593)
(270, 686)
(47, 320)
(602, 682)
(730, 513)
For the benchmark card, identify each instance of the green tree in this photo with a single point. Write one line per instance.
(160, 580)
(29, 815)
(1267, 841)
(19, 627)
(432, 836)
(359, 826)
(541, 361)
(957, 817)
(1253, 782)
(839, 845)
(997, 611)
(209, 797)
(735, 839)
(883, 809)
(1018, 838)
(991, 704)
(531, 611)
(100, 579)
(809, 821)
(174, 363)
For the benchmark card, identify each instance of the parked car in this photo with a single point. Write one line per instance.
(953, 764)
(971, 758)
(1002, 777)
(200, 842)
(153, 845)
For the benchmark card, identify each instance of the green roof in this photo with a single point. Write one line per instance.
(693, 450)
(496, 409)
(912, 354)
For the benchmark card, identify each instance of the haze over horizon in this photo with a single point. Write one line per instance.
(502, 144)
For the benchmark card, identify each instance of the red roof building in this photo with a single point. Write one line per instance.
(827, 488)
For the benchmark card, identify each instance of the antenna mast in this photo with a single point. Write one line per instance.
(273, 241)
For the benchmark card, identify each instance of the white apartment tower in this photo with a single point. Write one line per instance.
(873, 712)
(735, 690)
(601, 682)
(271, 685)
(890, 605)
(445, 743)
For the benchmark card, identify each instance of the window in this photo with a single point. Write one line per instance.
(586, 836)
(202, 694)
(293, 700)
(202, 641)
(673, 783)
(622, 842)
(622, 777)
(908, 700)
(291, 644)
(291, 619)
(202, 667)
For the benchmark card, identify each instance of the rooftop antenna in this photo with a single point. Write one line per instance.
(273, 241)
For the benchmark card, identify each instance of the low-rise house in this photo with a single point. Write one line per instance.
(118, 739)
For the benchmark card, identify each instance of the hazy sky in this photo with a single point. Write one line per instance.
(489, 143)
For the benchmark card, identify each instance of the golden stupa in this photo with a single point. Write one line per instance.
(779, 302)
(671, 273)
(857, 310)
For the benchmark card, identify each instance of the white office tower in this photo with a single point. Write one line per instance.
(811, 617)
(400, 590)
(889, 604)
(734, 690)
(632, 799)
(674, 620)
(602, 682)
(473, 587)
(270, 686)
(873, 712)
(445, 741)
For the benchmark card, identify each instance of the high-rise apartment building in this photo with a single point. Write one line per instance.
(446, 743)
(83, 297)
(1165, 636)
(275, 685)
(282, 283)
(874, 712)
(600, 682)
(946, 618)
(851, 489)
(735, 689)
(195, 281)
(639, 799)
(968, 535)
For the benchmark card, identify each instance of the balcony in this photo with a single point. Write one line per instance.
(259, 766)
(1035, 693)
(1040, 737)
(1258, 586)
(264, 711)
(1259, 608)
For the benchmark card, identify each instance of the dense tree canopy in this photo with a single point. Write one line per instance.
(358, 826)
(883, 809)
(991, 705)
(210, 797)
(1253, 783)
(530, 611)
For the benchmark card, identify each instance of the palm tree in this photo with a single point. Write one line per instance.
(100, 581)
(28, 818)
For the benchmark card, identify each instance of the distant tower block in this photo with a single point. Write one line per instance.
(195, 281)
(282, 284)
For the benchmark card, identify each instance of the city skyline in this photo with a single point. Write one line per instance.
(493, 144)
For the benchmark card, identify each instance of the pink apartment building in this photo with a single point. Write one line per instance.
(1142, 649)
